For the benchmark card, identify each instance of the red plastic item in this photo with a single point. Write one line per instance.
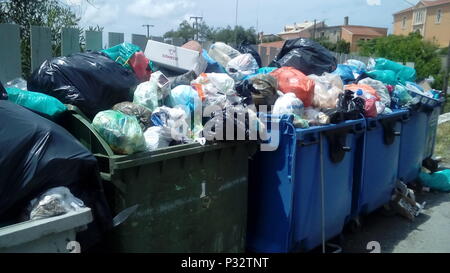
(292, 80)
(140, 65)
(370, 108)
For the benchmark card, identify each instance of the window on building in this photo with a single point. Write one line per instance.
(404, 22)
(438, 16)
(322, 34)
(419, 16)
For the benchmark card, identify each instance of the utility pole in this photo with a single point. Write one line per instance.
(314, 31)
(148, 30)
(196, 18)
(236, 22)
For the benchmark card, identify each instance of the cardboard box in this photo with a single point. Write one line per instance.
(175, 58)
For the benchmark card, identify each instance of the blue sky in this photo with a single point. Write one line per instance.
(269, 15)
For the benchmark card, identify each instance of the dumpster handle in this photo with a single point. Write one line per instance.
(397, 133)
(346, 149)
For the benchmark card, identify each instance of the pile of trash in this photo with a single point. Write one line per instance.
(141, 101)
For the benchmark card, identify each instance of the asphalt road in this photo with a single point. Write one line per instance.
(428, 233)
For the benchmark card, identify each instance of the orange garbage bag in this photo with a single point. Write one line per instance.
(292, 80)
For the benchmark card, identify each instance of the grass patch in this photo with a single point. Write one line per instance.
(442, 147)
(447, 105)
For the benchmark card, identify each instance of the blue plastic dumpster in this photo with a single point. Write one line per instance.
(376, 167)
(418, 140)
(412, 145)
(285, 188)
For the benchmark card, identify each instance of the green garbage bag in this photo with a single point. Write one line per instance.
(403, 73)
(122, 53)
(386, 76)
(38, 102)
(437, 181)
(122, 132)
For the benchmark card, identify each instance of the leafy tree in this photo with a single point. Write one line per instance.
(206, 33)
(340, 47)
(49, 13)
(272, 39)
(411, 48)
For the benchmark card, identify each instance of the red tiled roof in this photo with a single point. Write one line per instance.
(426, 4)
(435, 3)
(278, 44)
(366, 31)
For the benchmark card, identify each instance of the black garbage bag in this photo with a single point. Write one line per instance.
(307, 56)
(236, 122)
(352, 108)
(91, 81)
(36, 155)
(3, 94)
(183, 79)
(245, 47)
(243, 88)
(142, 113)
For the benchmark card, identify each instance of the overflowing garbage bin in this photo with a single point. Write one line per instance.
(376, 166)
(300, 194)
(190, 198)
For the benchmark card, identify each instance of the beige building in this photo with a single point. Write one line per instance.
(430, 18)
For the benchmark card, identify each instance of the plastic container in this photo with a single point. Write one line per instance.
(285, 192)
(376, 167)
(191, 198)
(418, 140)
(49, 235)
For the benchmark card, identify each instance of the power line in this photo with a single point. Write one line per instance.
(196, 18)
(148, 29)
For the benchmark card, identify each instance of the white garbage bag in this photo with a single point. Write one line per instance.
(222, 53)
(242, 66)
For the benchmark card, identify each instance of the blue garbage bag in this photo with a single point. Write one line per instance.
(345, 72)
(438, 181)
(262, 70)
(213, 65)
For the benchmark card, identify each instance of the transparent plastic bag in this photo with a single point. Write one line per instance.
(187, 98)
(315, 117)
(151, 93)
(289, 104)
(242, 66)
(54, 202)
(327, 89)
(18, 83)
(173, 123)
(215, 89)
(142, 113)
(122, 132)
(380, 88)
(222, 53)
(155, 139)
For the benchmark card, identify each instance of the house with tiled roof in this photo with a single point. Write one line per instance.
(429, 18)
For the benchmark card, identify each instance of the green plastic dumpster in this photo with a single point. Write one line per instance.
(50, 235)
(191, 198)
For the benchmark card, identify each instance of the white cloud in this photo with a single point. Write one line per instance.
(101, 14)
(158, 9)
(374, 2)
